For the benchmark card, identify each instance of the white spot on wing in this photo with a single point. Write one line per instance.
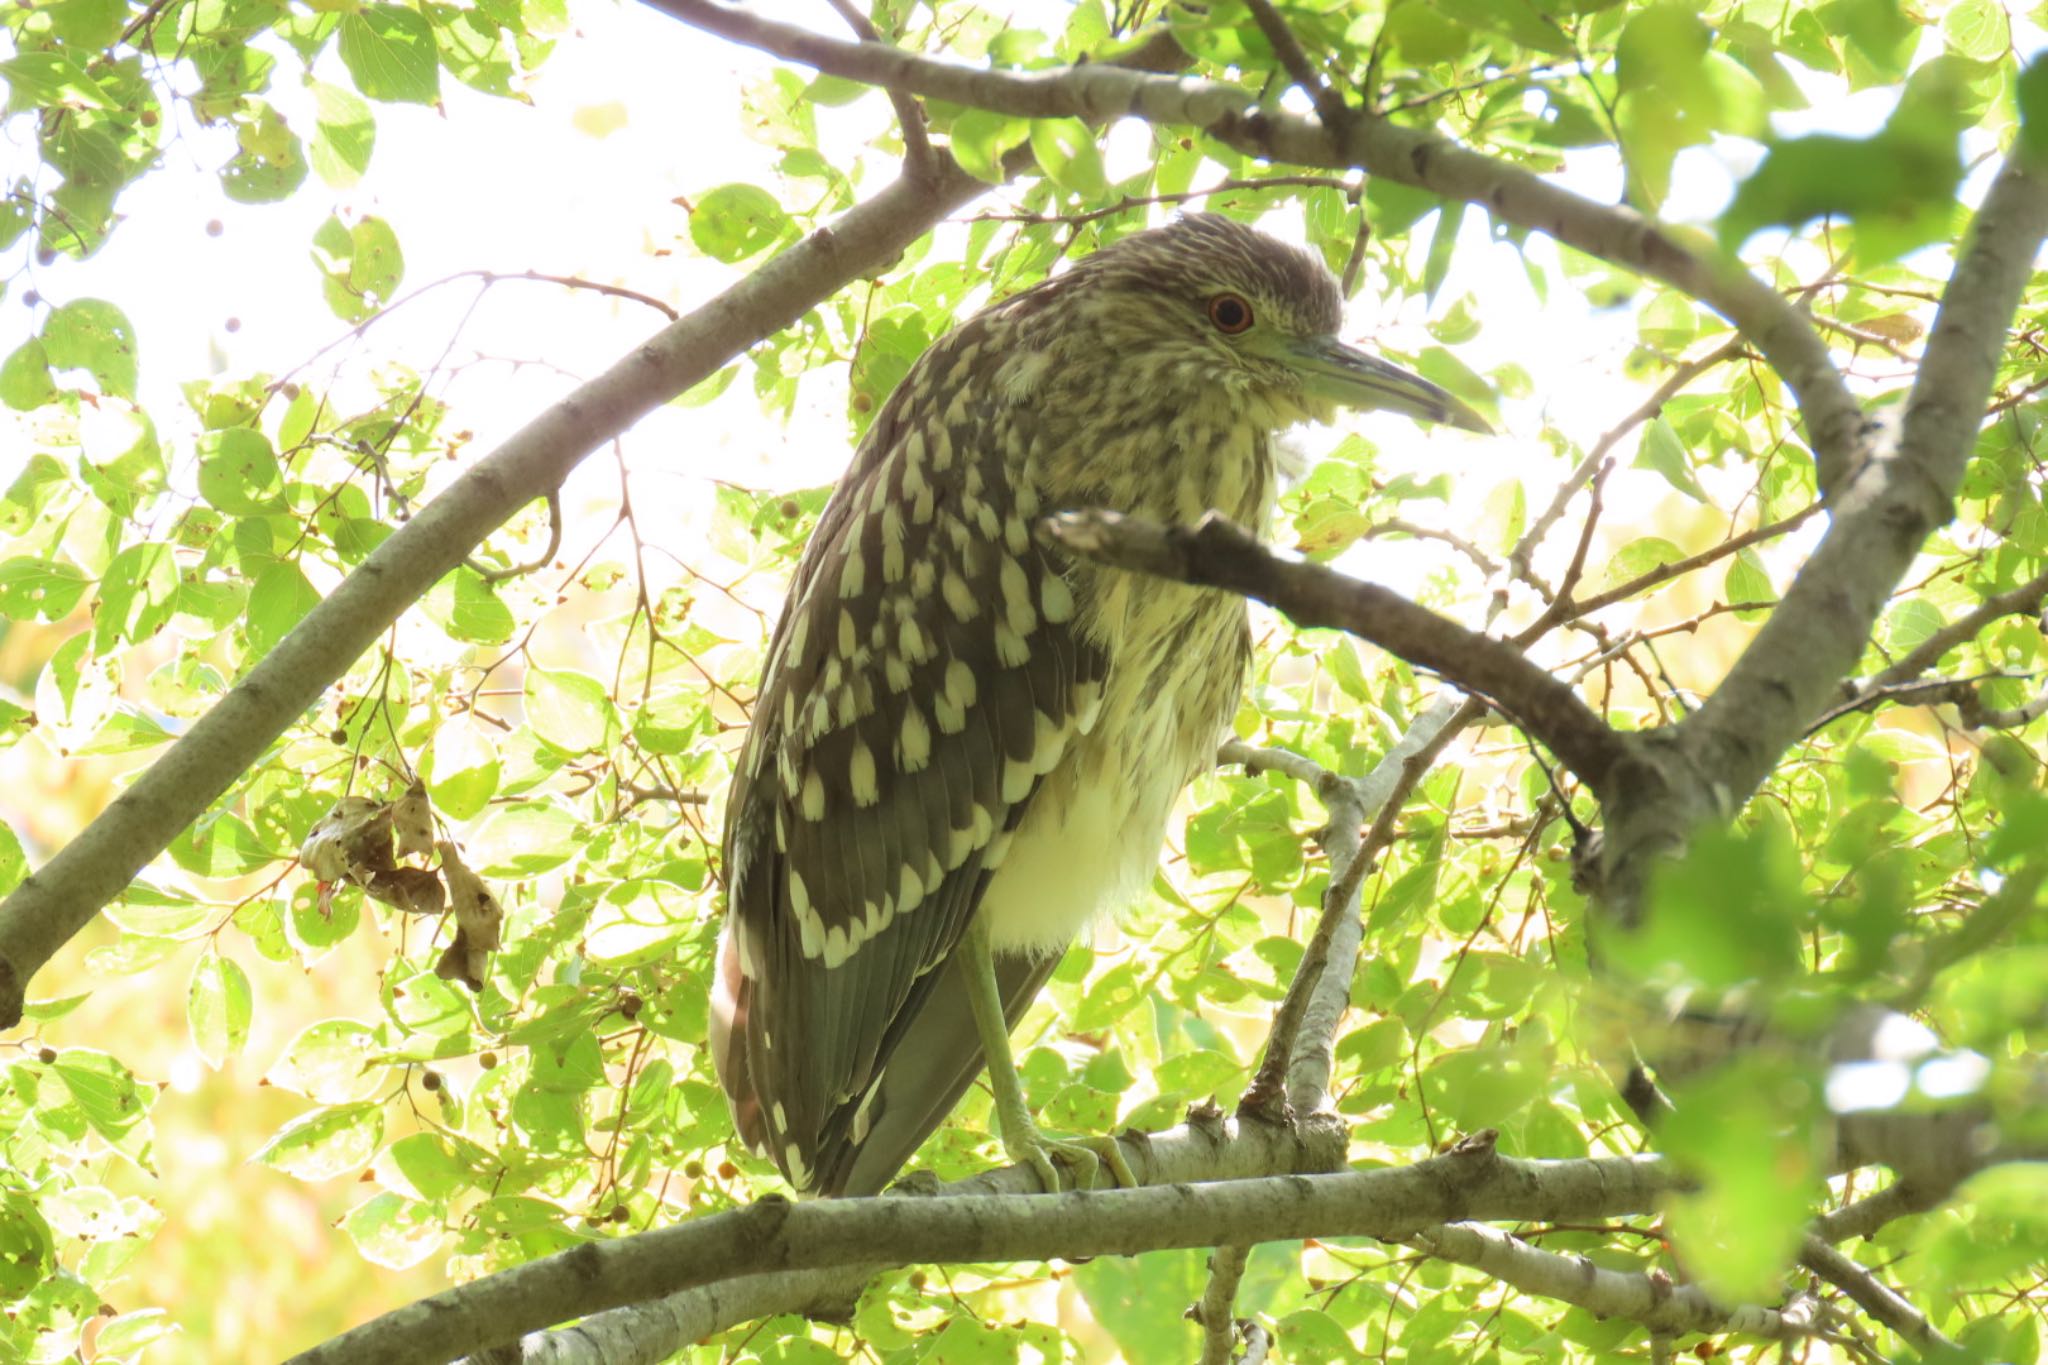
(917, 740)
(861, 772)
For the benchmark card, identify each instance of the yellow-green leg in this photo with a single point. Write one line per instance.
(1021, 1138)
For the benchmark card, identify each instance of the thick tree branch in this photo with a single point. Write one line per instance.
(776, 1235)
(62, 896)
(1217, 554)
(1208, 1147)
(1411, 156)
(1884, 515)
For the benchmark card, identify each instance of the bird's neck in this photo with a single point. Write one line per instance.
(1169, 453)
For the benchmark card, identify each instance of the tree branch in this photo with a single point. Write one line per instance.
(918, 157)
(1873, 1295)
(1294, 61)
(1208, 1147)
(1785, 336)
(2027, 597)
(1884, 514)
(776, 1235)
(1651, 1299)
(1217, 554)
(1965, 694)
(62, 896)
(1216, 1314)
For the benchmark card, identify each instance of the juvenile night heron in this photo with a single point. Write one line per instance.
(966, 744)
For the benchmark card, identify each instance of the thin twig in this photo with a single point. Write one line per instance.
(541, 561)
(2027, 597)
(1676, 382)
(917, 146)
(1677, 568)
(1330, 106)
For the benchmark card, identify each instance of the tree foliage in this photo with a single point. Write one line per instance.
(1798, 598)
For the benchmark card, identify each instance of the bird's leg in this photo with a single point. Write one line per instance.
(1021, 1138)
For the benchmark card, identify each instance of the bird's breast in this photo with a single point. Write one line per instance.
(1090, 838)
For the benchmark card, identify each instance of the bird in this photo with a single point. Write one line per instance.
(966, 744)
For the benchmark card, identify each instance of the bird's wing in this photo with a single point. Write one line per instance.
(926, 674)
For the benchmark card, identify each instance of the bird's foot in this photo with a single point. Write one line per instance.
(1090, 1159)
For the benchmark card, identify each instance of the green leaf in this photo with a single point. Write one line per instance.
(344, 135)
(979, 139)
(278, 600)
(217, 1008)
(1744, 1130)
(394, 1232)
(1912, 623)
(522, 840)
(362, 263)
(326, 1143)
(95, 336)
(2030, 91)
(126, 1334)
(25, 382)
(238, 472)
(734, 222)
(1142, 1302)
(1897, 187)
(1728, 913)
(1441, 244)
(40, 588)
(1977, 29)
(389, 51)
(571, 711)
(1069, 155)
(1640, 556)
(432, 1165)
(1662, 451)
(136, 596)
(28, 1251)
(1995, 1226)
(461, 769)
(1748, 581)
(466, 605)
(271, 163)
(106, 1091)
(330, 1062)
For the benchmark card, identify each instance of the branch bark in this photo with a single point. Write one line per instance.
(1209, 1146)
(1216, 554)
(1787, 339)
(1651, 1299)
(776, 1235)
(1709, 764)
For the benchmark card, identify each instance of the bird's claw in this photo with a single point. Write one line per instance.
(1087, 1158)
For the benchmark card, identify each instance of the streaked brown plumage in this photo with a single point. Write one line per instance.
(955, 720)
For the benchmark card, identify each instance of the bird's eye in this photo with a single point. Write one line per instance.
(1230, 313)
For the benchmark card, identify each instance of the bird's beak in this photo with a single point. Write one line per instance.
(1343, 374)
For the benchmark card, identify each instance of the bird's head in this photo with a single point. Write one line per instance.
(1206, 304)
